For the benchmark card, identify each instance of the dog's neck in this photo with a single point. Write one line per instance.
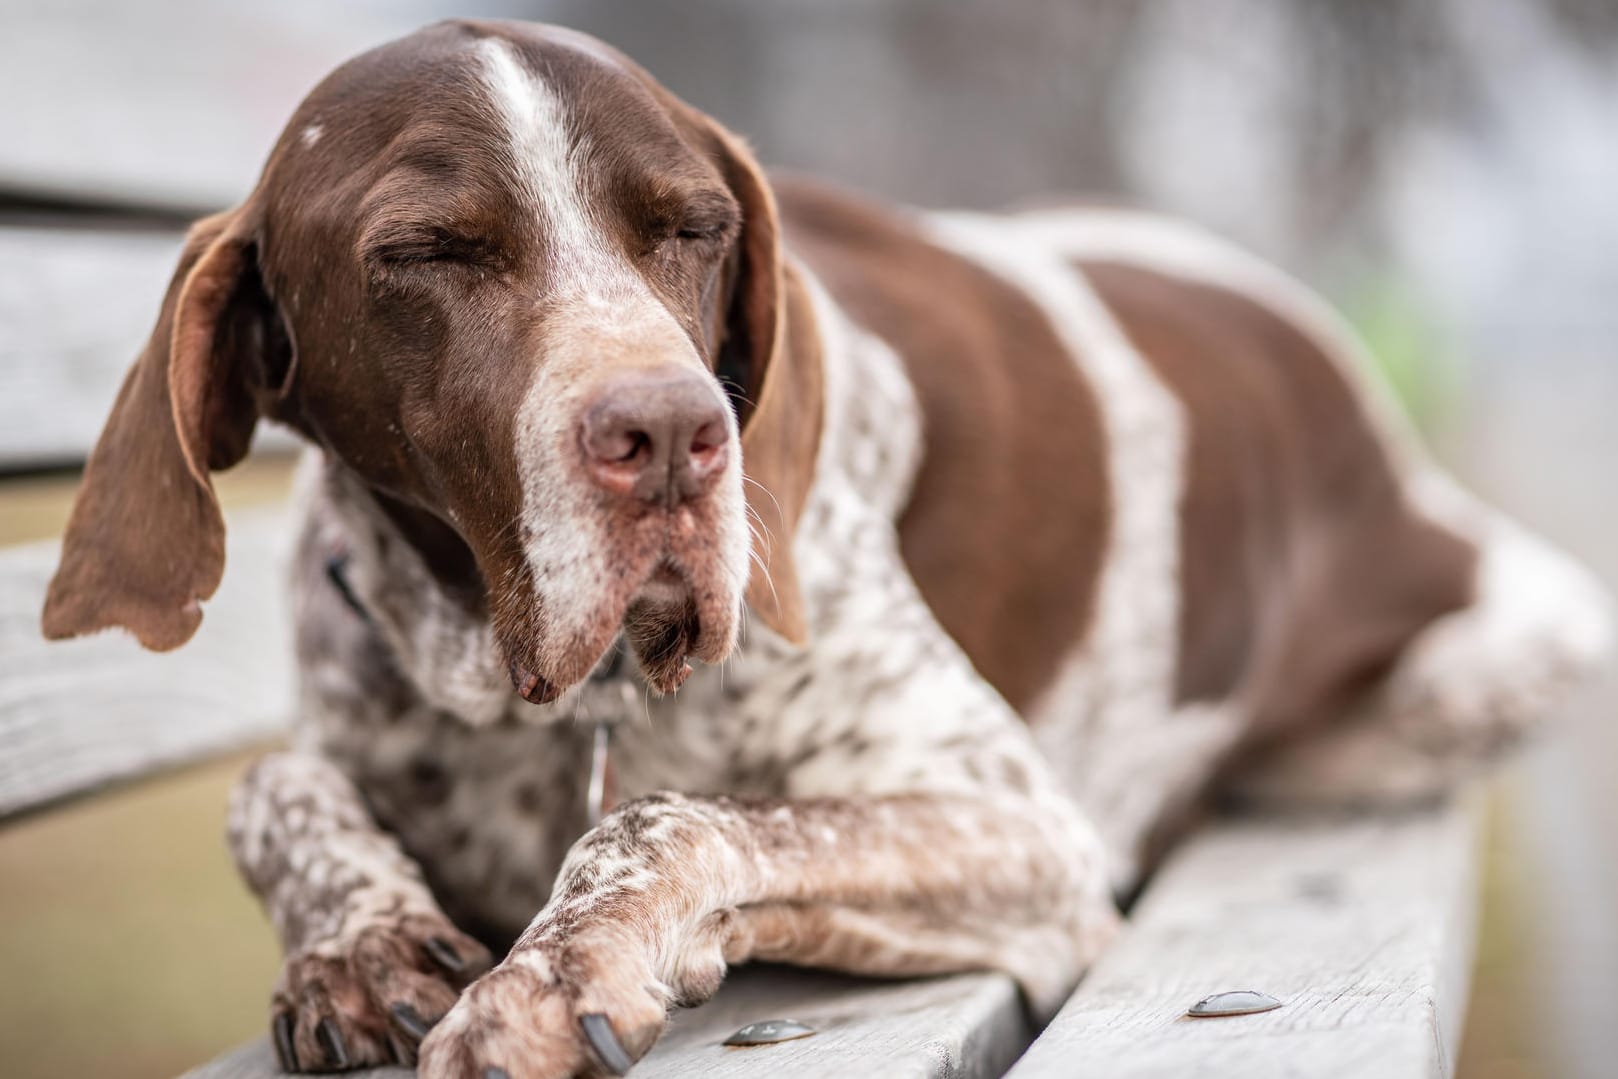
(440, 548)
(415, 581)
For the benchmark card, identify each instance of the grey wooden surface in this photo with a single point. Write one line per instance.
(967, 1027)
(168, 104)
(76, 306)
(76, 715)
(1362, 928)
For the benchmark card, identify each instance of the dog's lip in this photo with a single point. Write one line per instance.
(666, 588)
(667, 584)
(532, 687)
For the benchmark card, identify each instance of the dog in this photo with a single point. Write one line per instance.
(891, 584)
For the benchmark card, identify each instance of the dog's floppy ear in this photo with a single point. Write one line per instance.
(770, 350)
(145, 543)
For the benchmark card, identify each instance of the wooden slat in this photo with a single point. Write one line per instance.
(76, 715)
(76, 305)
(173, 104)
(966, 1027)
(1363, 928)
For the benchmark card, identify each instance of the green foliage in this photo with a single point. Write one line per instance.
(1408, 346)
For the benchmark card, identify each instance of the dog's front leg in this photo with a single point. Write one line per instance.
(371, 962)
(656, 902)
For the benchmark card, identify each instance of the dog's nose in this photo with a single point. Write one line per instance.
(658, 435)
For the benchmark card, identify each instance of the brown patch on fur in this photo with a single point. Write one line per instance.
(146, 542)
(1303, 567)
(779, 446)
(1007, 525)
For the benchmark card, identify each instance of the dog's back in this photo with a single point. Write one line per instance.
(1167, 509)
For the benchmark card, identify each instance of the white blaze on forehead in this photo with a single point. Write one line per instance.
(550, 152)
(547, 151)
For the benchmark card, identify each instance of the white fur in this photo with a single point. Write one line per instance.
(546, 151)
(449, 655)
(1108, 722)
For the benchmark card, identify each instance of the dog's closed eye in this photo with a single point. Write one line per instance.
(428, 245)
(701, 221)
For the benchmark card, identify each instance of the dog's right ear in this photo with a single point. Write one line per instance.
(145, 543)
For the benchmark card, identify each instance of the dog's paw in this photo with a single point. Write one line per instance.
(551, 1012)
(370, 997)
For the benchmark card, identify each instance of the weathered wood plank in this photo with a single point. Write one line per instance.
(75, 715)
(1363, 928)
(76, 305)
(186, 118)
(966, 1027)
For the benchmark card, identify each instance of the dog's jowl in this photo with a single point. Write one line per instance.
(928, 567)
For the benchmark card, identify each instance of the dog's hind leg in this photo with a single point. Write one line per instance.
(1473, 684)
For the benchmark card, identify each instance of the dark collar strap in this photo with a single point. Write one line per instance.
(337, 574)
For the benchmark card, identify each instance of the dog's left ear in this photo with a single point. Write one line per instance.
(145, 543)
(770, 350)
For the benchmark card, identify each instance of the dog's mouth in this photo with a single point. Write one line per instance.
(667, 617)
(663, 626)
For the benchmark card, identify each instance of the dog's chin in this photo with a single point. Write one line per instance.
(667, 615)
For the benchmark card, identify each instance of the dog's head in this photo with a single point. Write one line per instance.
(513, 284)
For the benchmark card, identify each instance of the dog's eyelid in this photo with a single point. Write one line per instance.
(703, 230)
(706, 216)
(712, 217)
(427, 244)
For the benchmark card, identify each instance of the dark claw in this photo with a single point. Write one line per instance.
(281, 1031)
(410, 1021)
(598, 1031)
(445, 955)
(331, 1040)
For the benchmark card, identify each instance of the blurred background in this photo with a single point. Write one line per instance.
(1445, 170)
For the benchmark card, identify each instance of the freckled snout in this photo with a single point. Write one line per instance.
(659, 435)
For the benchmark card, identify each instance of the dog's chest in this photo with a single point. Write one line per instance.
(489, 812)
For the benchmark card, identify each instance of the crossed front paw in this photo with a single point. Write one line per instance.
(370, 997)
(551, 1012)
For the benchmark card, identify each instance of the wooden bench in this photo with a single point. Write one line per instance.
(1363, 928)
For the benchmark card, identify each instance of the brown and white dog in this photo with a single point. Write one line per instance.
(1046, 524)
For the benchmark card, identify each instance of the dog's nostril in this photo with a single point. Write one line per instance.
(707, 447)
(631, 445)
(708, 439)
(611, 441)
